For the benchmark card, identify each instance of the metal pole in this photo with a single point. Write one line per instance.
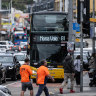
(93, 41)
(11, 18)
(0, 4)
(81, 54)
(70, 20)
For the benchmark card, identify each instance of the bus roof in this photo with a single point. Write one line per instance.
(49, 12)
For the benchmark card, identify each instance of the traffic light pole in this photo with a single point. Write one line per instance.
(93, 40)
(70, 15)
(93, 27)
(0, 4)
(81, 65)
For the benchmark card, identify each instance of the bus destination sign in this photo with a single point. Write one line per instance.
(49, 38)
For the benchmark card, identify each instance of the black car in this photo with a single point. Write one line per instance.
(12, 66)
(2, 74)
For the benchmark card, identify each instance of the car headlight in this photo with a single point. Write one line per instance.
(10, 67)
(34, 72)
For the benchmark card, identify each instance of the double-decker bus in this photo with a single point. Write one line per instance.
(48, 40)
(19, 37)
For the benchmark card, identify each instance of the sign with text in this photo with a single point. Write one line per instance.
(49, 38)
(76, 27)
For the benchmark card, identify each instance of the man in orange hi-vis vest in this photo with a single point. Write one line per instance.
(25, 72)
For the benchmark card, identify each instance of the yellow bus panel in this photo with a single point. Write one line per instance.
(57, 73)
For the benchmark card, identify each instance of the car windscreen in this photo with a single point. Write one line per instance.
(2, 46)
(50, 22)
(2, 43)
(6, 59)
(20, 57)
(20, 37)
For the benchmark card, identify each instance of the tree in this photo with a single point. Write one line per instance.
(18, 4)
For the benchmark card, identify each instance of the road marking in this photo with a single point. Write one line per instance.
(12, 83)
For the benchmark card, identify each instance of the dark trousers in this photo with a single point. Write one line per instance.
(41, 88)
(77, 76)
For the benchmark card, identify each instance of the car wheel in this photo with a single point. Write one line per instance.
(14, 78)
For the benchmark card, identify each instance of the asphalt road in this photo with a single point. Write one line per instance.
(15, 87)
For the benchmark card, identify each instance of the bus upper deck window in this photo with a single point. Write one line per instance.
(50, 19)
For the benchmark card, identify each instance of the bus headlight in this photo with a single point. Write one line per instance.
(34, 72)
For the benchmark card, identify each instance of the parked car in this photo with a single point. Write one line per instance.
(20, 57)
(2, 74)
(15, 48)
(12, 65)
(5, 90)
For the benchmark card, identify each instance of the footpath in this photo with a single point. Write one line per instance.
(87, 91)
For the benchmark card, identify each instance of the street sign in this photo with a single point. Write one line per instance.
(17, 15)
(76, 27)
(92, 19)
(6, 23)
(3, 29)
(70, 46)
(77, 40)
(77, 34)
(24, 15)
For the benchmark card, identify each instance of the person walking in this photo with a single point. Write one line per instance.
(25, 72)
(41, 78)
(69, 70)
(92, 61)
(77, 70)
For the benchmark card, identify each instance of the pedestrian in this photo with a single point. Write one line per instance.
(69, 70)
(77, 63)
(92, 61)
(41, 79)
(25, 72)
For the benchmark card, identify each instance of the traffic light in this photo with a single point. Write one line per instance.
(86, 19)
(24, 28)
(78, 11)
(28, 33)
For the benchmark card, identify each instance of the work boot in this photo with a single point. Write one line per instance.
(61, 90)
(72, 91)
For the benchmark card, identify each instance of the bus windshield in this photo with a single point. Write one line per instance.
(53, 53)
(50, 22)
